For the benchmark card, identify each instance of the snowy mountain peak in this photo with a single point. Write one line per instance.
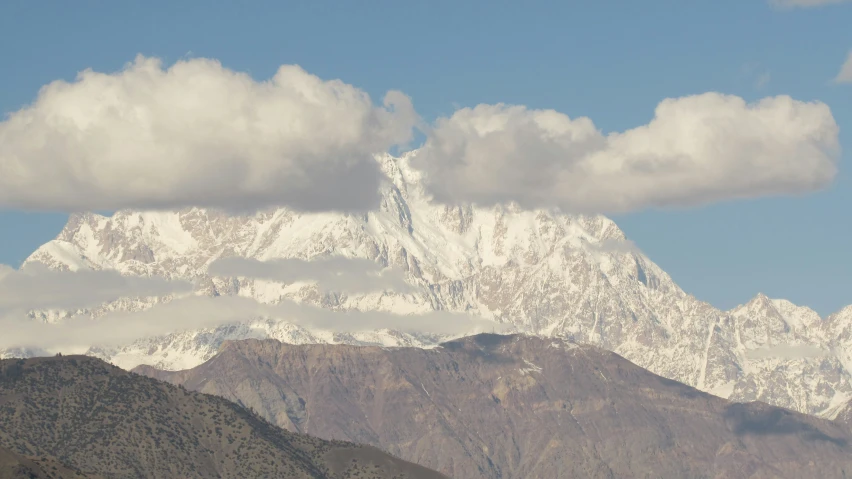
(845, 312)
(764, 322)
(541, 271)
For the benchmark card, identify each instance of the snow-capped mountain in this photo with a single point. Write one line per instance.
(542, 272)
(793, 357)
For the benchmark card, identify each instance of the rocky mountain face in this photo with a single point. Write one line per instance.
(493, 406)
(843, 414)
(104, 421)
(542, 272)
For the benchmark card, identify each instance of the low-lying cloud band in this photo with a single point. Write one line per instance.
(35, 287)
(196, 312)
(337, 274)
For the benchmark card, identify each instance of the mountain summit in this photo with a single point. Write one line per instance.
(541, 272)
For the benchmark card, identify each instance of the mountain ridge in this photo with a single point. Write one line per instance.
(105, 421)
(516, 406)
(540, 272)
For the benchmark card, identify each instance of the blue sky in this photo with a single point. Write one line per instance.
(613, 61)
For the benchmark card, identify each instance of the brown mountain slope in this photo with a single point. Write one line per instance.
(16, 466)
(106, 421)
(518, 407)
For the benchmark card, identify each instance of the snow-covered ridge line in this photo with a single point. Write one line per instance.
(541, 272)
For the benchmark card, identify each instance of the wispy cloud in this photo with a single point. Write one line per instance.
(762, 80)
(787, 351)
(789, 4)
(36, 287)
(757, 74)
(845, 74)
(196, 312)
(615, 246)
(338, 274)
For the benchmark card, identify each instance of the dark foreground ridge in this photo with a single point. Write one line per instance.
(16, 466)
(89, 416)
(519, 407)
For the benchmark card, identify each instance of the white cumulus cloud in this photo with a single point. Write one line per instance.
(336, 273)
(5, 270)
(198, 134)
(696, 150)
(845, 74)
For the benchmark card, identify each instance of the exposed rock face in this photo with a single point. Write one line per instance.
(518, 407)
(543, 272)
(105, 421)
(842, 414)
